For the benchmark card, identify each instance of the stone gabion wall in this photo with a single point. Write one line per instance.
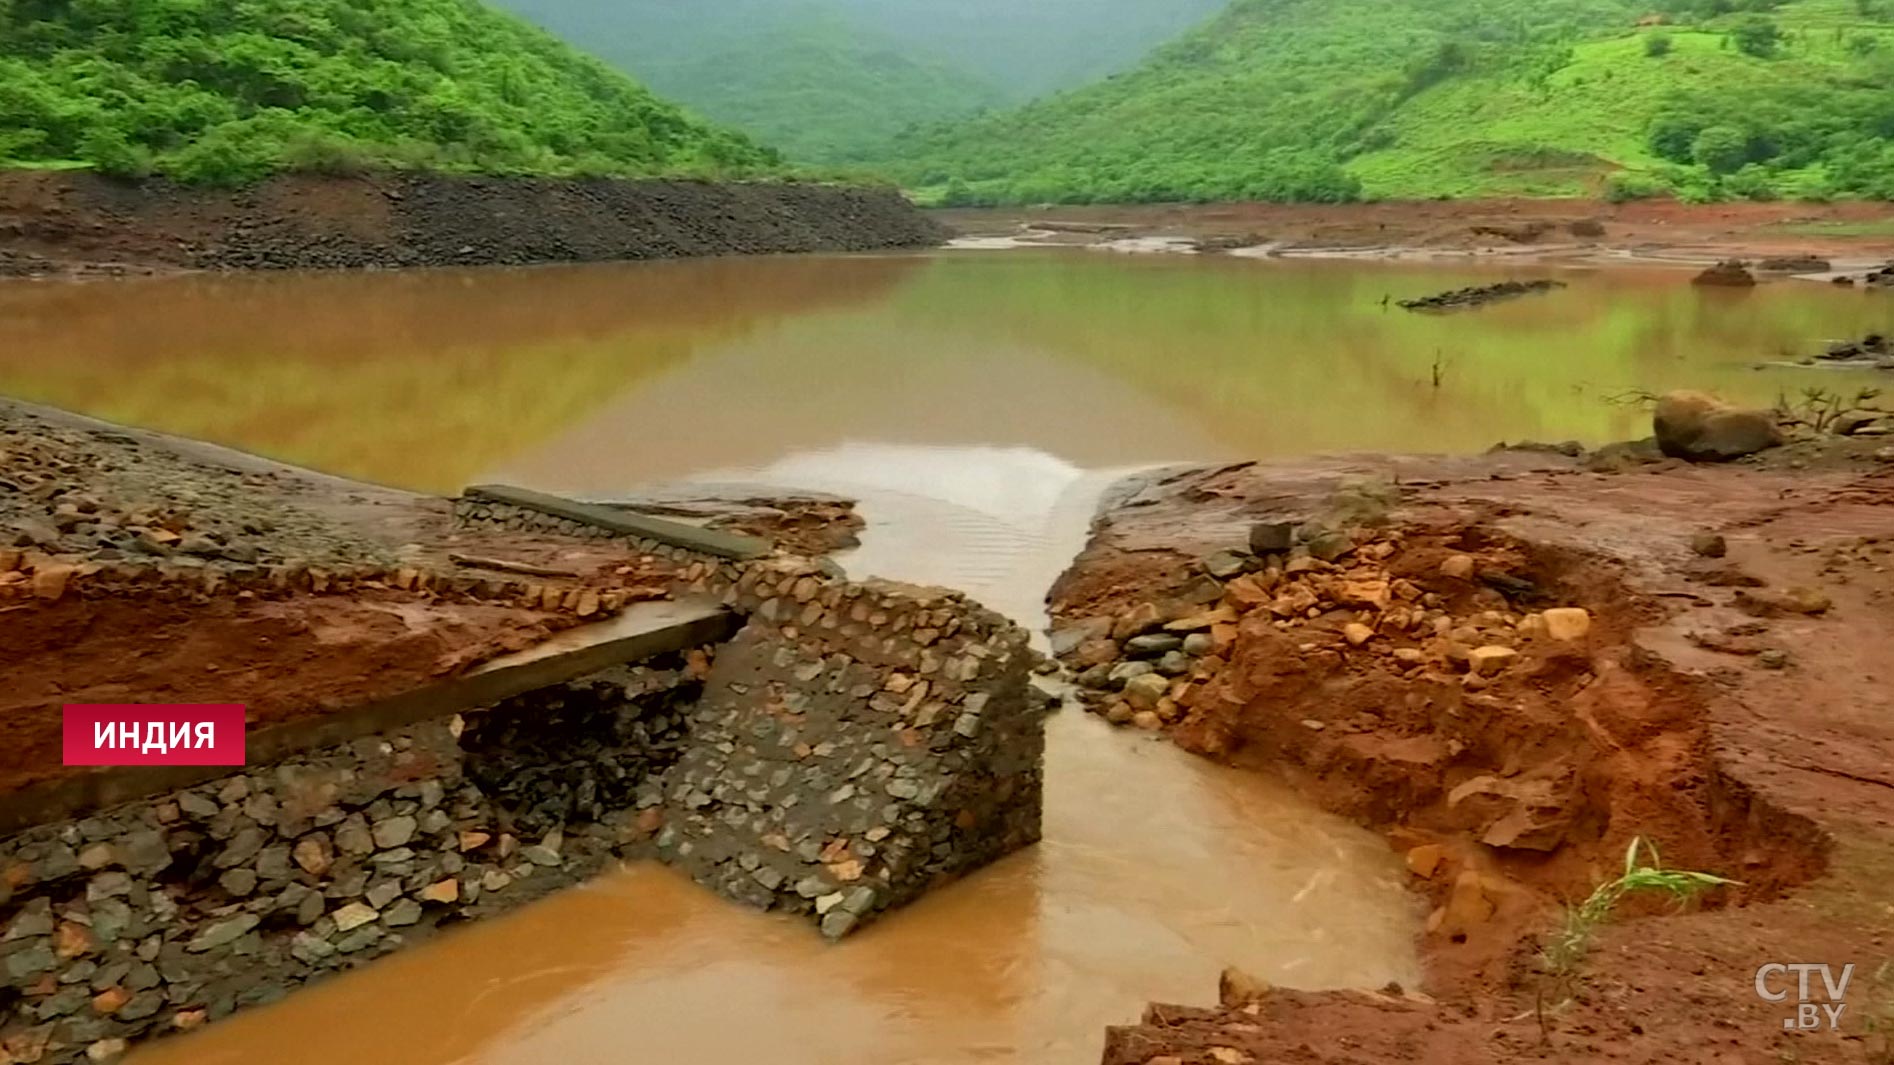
(856, 744)
(163, 914)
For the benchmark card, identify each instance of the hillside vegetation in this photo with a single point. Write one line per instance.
(227, 91)
(1333, 100)
(824, 91)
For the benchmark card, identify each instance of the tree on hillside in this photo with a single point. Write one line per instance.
(1721, 149)
(1657, 45)
(1757, 35)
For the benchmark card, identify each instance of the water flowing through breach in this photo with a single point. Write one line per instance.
(1157, 870)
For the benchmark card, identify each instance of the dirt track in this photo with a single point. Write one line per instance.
(77, 223)
(1763, 760)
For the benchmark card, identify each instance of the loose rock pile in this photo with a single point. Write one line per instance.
(100, 496)
(1150, 665)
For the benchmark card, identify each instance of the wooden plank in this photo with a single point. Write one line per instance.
(641, 631)
(674, 533)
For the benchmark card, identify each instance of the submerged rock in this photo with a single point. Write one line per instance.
(1479, 295)
(1732, 273)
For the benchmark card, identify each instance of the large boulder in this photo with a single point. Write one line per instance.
(1702, 428)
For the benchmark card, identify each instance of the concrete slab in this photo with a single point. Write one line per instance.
(676, 534)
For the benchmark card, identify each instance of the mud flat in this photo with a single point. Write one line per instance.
(1854, 236)
(454, 706)
(66, 223)
(1512, 666)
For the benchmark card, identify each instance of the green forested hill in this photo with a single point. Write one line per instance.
(1022, 47)
(230, 90)
(1335, 99)
(824, 91)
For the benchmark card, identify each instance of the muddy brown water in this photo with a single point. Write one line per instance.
(977, 404)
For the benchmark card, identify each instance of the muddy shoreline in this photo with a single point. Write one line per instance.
(1848, 236)
(1420, 683)
(62, 223)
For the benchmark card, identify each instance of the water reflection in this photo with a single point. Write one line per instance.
(596, 376)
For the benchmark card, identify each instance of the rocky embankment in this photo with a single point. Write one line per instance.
(56, 223)
(1513, 666)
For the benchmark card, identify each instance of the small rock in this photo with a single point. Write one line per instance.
(1198, 644)
(353, 916)
(314, 855)
(1567, 624)
(1143, 691)
(1137, 621)
(1147, 720)
(1709, 545)
(222, 933)
(1458, 567)
(1467, 907)
(1153, 645)
(403, 913)
(1270, 537)
(1425, 860)
(444, 892)
(394, 831)
(1489, 661)
(1327, 544)
(1356, 633)
(1226, 565)
(1773, 659)
(237, 882)
(106, 1050)
(1174, 664)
